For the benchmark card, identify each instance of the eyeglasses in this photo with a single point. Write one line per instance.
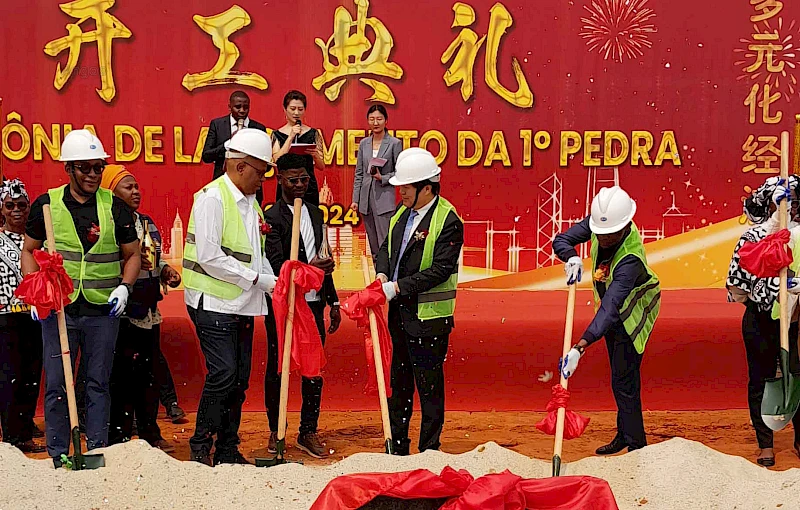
(88, 169)
(10, 206)
(294, 181)
(258, 170)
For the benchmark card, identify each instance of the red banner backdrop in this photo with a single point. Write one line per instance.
(531, 107)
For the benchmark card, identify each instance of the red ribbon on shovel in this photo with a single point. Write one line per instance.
(47, 289)
(574, 423)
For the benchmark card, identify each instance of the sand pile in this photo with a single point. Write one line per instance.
(671, 475)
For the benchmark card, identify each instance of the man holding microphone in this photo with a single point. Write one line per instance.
(227, 276)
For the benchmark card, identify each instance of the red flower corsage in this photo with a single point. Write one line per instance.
(264, 226)
(420, 235)
(94, 233)
(601, 273)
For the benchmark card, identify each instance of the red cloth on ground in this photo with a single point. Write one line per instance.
(766, 258)
(500, 491)
(357, 307)
(307, 353)
(574, 424)
(47, 289)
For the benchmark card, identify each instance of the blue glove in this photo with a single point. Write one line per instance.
(569, 364)
(781, 193)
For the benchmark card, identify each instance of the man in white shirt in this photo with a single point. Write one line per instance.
(221, 129)
(227, 277)
(293, 184)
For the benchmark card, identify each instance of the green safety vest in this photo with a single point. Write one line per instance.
(97, 273)
(440, 301)
(235, 243)
(640, 309)
(795, 267)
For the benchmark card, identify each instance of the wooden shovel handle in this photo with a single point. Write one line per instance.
(783, 215)
(287, 340)
(560, 417)
(376, 352)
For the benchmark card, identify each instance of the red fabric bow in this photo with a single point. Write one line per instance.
(357, 307)
(766, 258)
(574, 424)
(47, 289)
(500, 491)
(307, 354)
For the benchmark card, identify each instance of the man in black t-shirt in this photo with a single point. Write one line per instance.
(94, 232)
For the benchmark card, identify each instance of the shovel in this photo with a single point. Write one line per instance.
(376, 352)
(280, 456)
(78, 461)
(782, 394)
(562, 412)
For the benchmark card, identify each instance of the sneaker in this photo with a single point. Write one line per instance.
(234, 457)
(310, 443)
(272, 447)
(175, 413)
(164, 446)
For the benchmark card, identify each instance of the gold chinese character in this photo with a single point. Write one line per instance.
(753, 102)
(768, 8)
(220, 27)
(107, 28)
(767, 49)
(753, 153)
(464, 50)
(355, 54)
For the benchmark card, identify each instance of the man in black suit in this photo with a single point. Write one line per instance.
(418, 266)
(221, 130)
(293, 180)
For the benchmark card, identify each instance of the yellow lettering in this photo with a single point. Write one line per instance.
(440, 139)
(177, 141)
(542, 140)
(668, 150)
(353, 138)
(527, 142)
(590, 148)
(609, 159)
(14, 127)
(497, 150)
(477, 143)
(641, 151)
(53, 144)
(67, 129)
(119, 143)
(570, 144)
(334, 148)
(201, 141)
(406, 136)
(90, 128)
(151, 143)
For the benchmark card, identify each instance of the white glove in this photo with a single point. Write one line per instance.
(35, 314)
(781, 193)
(266, 283)
(118, 300)
(568, 364)
(793, 285)
(574, 270)
(389, 291)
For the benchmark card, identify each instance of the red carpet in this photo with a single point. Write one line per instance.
(503, 341)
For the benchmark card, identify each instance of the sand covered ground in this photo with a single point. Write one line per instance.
(670, 474)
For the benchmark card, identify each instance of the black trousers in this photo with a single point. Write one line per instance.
(166, 385)
(762, 344)
(134, 391)
(227, 345)
(20, 375)
(626, 383)
(311, 387)
(420, 362)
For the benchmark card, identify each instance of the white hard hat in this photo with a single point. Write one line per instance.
(82, 145)
(612, 210)
(415, 165)
(249, 142)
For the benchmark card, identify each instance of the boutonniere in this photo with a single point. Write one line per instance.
(263, 226)
(420, 235)
(601, 273)
(94, 233)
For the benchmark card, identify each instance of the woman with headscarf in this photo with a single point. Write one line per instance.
(20, 335)
(760, 331)
(134, 389)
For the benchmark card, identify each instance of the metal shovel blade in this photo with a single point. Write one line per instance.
(781, 397)
(556, 465)
(80, 461)
(278, 459)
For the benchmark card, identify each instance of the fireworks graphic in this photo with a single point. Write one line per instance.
(777, 44)
(618, 28)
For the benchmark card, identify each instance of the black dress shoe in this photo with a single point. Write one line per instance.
(175, 413)
(615, 446)
(29, 447)
(203, 457)
(234, 457)
(766, 461)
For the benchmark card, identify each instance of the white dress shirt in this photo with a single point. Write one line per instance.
(207, 211)
(235, 127)
(309, 243)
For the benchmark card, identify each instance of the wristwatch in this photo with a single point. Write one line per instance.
(129, 287)
(579, 348)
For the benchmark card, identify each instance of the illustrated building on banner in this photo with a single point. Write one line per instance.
(175, 249)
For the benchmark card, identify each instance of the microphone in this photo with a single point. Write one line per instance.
(239, 125)
(298, 122)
